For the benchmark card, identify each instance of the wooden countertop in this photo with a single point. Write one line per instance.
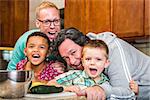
(6, 48)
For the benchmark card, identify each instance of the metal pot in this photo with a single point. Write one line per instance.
(15, 84)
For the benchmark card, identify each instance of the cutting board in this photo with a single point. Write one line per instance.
(62, 95)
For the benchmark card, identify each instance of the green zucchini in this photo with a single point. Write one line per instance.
(45, 89)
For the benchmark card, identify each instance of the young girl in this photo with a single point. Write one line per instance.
(36, 51)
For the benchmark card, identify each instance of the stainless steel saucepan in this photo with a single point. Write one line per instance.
(14, 84)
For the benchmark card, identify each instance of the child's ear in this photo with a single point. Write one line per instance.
(82, 61)
(37, 23)
(107, 63)
(25, 51)
(48, 53)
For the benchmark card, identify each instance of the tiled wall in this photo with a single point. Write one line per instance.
(3, 63)
(144, 47)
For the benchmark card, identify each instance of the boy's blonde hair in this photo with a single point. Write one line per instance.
(44, 5)
(96, 44)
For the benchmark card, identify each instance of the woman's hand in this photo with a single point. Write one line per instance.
(134, 86)
(93, 93)
(73, 88)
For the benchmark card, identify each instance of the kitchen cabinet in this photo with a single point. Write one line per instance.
(14, 20)
(147, 17)
(126, 18)
(87, 15)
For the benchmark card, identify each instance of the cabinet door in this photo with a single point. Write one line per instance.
(147, 17)
(88, 15)
(21, 18)
(74, 14)
(128, 17)
(14, 19)
(6, 19)
(98, 16)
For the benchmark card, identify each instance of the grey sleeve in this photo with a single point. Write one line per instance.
(116, 92)
(118, 81)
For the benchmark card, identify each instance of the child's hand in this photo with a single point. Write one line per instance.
(53, 82)
(134, 86)
(60, 67)
(73, 88)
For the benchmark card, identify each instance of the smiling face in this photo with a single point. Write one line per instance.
(36, 50)
(94, 61)
(49, 15)
(71, 52)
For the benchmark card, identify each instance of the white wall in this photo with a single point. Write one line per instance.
(34, 3)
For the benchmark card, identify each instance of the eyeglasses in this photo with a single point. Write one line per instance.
(56, 22)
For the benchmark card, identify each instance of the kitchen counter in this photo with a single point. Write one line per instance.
(54, 96)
